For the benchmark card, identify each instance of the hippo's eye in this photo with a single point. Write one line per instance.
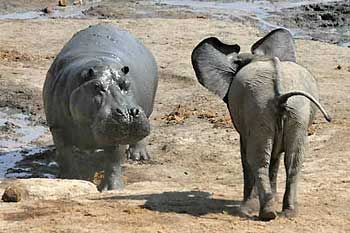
(124, 85)
(99, 87)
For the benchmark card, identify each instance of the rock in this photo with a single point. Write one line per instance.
(62, 3)
(13, 194)
(78, 2)
(46, 189)
(47, 10)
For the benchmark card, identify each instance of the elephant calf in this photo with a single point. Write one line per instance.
(269, 98)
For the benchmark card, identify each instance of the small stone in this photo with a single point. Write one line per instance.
(339, 67)
(78, 2)
(62, 3)
(12, 194)
(165, 148)
(48, 10)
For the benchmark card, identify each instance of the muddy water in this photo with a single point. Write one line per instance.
(74, 11)
(266, 15)
(38, 14)
(19, 154)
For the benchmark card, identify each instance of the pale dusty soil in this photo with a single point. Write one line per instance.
(194, 181)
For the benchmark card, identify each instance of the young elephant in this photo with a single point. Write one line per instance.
(269, 98)
(98, 95)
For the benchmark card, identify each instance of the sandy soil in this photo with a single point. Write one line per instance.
(194, 181)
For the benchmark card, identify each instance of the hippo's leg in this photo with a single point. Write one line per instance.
(138, 151)
(64, 150)
(112, 169)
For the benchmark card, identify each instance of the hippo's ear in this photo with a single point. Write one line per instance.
(125, 69)
(214, 64)
(278, 43)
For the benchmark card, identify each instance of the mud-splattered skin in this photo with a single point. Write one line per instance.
(98, 94)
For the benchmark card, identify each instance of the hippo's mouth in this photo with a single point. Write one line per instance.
(110, 134)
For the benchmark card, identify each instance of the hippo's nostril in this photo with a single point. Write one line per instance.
(119, 111)
(134, 112)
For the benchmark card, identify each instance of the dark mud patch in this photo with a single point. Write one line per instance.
(21, 98)
(122, 10)
(327, 22)
(183, 112)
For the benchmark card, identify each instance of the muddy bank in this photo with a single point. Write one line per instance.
(328, 22)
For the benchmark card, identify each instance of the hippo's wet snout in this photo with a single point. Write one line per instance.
(134, 112)
(116, 113)
(128, 114)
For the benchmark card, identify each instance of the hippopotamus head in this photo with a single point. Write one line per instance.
(104, 101)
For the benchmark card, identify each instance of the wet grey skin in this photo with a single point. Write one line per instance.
(98, 94)
(272, 101)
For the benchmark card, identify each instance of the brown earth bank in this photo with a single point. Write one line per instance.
(194, 181)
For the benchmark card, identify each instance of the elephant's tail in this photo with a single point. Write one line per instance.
(278, 87)
(282, 99)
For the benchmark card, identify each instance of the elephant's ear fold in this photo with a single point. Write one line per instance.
(278, 43)
(214, 64)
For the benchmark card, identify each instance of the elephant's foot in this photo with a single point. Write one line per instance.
(289, 212)
(267, 212)
(249, 206)
(111, 184)
(138, 152)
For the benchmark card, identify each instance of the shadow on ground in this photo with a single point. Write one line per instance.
(195, 203)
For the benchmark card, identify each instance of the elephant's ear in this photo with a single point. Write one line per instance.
(278, 43)
(214, 64)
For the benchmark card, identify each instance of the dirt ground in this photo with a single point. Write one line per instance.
(194, 181)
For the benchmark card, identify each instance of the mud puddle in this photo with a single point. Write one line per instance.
(20, 156)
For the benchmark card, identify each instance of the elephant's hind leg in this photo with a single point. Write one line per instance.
(259, 149)
(295, 138)
(250, 201)
(274, 164)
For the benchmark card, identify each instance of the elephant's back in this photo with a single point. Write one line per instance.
(253, 90)
(258, 79)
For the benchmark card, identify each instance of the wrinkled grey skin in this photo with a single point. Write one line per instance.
(98, 94)
(270, 98)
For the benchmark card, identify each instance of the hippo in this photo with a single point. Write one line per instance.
(98, 96)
